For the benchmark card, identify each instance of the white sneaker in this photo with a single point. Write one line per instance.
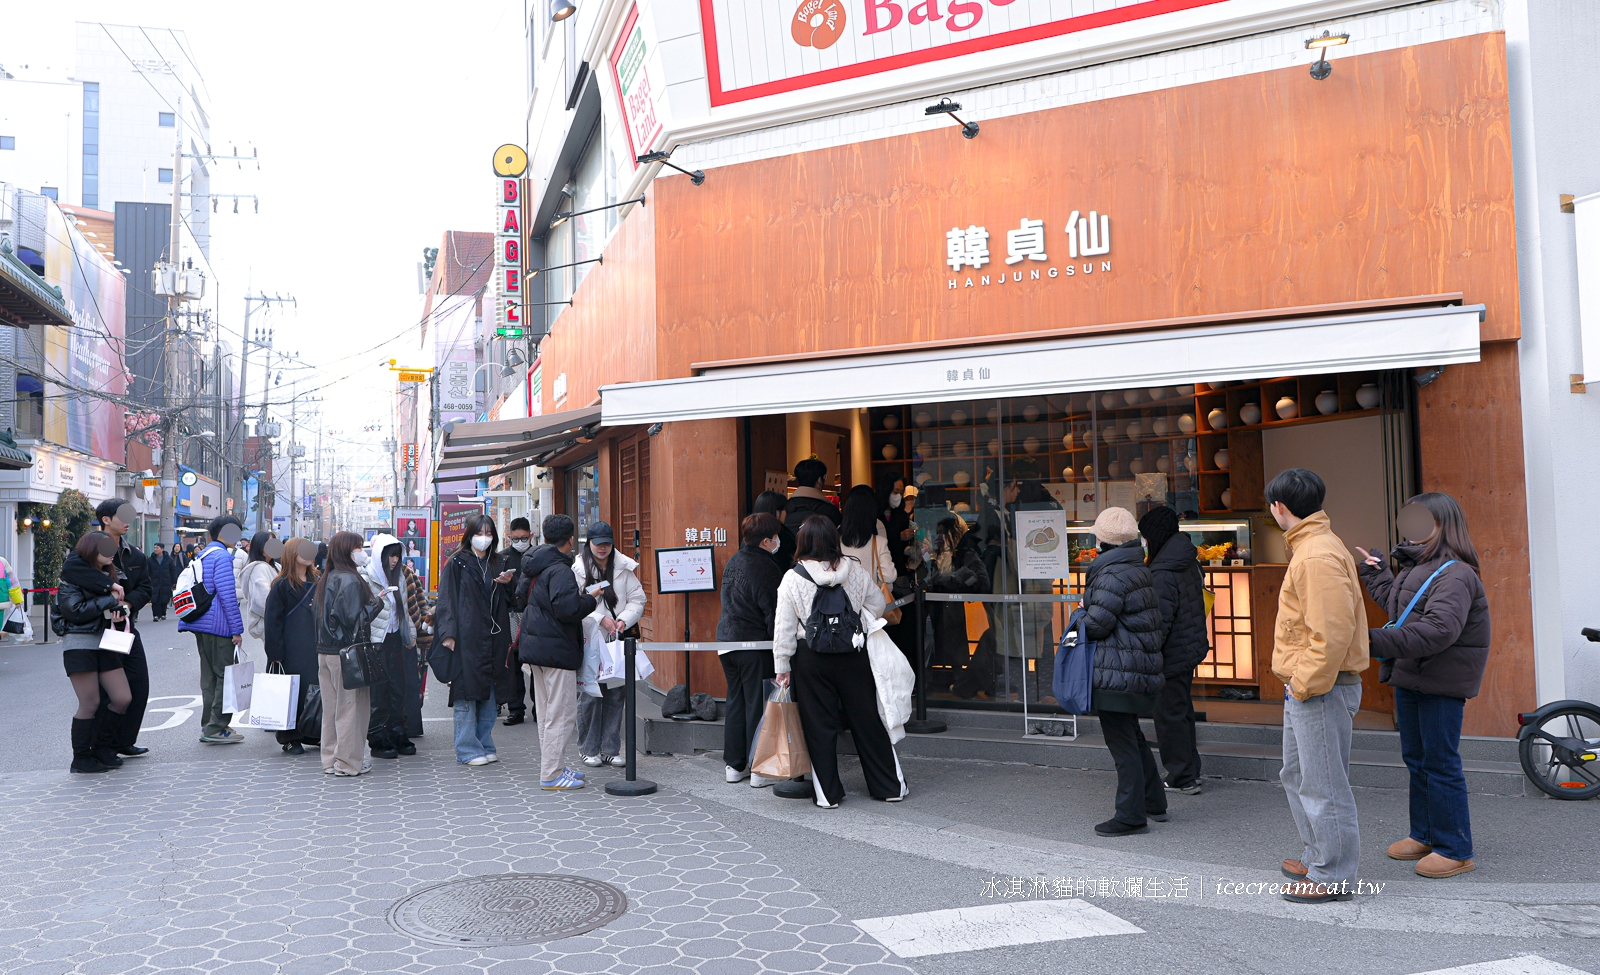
(593, 761)
(480, 760)
(761, 781)
(734, 775)
(618, 761)
(493, 756)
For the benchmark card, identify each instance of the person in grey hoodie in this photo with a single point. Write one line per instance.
(393, 631)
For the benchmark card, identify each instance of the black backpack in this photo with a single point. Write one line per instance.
(834, 625)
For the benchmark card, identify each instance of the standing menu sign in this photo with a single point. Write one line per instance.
(685, 570)
(411, 526)
(1042, 550)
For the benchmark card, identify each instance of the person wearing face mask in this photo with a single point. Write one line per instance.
(750, 583)
(510, 689)
(621, 603)
(896, 520)
(1433, 654)
(473, 619)
(396, 635)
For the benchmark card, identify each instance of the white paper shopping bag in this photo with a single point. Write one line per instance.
(275, 702)
(237, 681)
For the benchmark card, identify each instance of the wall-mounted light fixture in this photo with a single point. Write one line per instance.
(1425, 376)
(1320, 68)
(562, 218)
(653, 429)
(561, 10)
(950, 108)
(44, 522)
(665, 158)
(534, 272)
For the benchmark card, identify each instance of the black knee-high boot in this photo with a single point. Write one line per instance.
(83, 730)
(105, 739)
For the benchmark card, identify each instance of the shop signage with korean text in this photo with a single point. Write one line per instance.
(685, 570)
(1042, 550)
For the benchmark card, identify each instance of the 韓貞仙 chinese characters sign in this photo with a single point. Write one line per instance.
(1027, 251)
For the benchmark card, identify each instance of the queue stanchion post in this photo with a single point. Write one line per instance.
(631, 784)
(920, 723)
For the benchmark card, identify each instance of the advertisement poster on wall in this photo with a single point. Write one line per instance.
(411, 526)
(453, 525)
(1042, 551)
(86, 354)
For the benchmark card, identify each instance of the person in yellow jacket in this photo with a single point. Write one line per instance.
(1319, 651)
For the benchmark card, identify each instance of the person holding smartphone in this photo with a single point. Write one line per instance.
(609, 576)
(394, 631)
(552, 644)
(90, 599)
(473, 619)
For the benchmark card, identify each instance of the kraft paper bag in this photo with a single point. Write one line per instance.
(237, 681)
(780, 751)
(274, 701)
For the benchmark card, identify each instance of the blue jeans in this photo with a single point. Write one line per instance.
(1316, 779)
(474, 724)
(1430, 743)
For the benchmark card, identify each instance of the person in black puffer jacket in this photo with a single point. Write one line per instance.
(1180, 585)
(88, 590)
(551, 642)
(1434, 659)
(750, 583)
(1122, 617)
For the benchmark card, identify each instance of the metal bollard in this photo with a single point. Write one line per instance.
(920, 723)
(631, 785)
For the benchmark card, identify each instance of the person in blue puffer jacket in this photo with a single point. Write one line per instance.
(219, 632)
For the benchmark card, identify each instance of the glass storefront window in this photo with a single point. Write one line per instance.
(583, 495)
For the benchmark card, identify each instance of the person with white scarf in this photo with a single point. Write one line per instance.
(393, 631)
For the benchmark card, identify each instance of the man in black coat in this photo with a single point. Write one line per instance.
(163, 574)
(1180, 586)
(808, 498)
(112, 517)
(511, 690)
(551, 642)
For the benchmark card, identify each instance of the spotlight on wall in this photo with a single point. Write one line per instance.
(1320, 69)
(665, 158)
(950, 108)
(561, 10)
(1427, 376)
(653, 429)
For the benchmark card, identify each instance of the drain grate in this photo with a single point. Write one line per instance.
(507, 909)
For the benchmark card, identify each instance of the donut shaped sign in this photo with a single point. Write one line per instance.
(818, 23)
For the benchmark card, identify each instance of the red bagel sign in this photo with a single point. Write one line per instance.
(748, 55)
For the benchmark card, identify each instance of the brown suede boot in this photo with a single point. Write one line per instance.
(1294, 870)
(1437, 867)
(1409, 849)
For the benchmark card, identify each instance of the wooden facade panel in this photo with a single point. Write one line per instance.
(1391, 178)
(608, 333)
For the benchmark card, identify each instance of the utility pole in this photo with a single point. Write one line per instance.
(169, 429)
(262, 340)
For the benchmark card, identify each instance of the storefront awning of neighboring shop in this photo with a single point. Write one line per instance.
(508, 445)
(1427, 331)
(12, 457)
(24, 298)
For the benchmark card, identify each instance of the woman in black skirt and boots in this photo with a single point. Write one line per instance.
(88, 593)
(834, 691)
(291, 634)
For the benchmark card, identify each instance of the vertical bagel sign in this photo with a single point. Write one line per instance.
(818, 23)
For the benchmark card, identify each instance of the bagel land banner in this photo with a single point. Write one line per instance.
(759, 49)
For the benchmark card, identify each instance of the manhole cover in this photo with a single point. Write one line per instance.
(508, 909)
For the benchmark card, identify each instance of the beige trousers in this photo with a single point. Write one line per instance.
(555, 695)
(345, 715)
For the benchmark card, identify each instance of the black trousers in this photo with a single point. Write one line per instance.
(835, 691)
(745, 671)
(511, 686)
(138, 670)
(159, 599)
(1174, 716)
(388, 726)
(1139, 789)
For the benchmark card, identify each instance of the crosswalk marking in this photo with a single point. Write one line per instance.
(1520, 965)
(995, 926)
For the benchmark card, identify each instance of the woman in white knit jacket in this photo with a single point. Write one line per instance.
(620, 605)
(834, 691)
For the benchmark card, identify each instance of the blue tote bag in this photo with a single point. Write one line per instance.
(1074, 676)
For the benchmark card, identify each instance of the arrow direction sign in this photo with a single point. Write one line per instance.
(685, 569)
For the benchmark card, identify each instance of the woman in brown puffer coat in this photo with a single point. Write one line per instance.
(1433, 654)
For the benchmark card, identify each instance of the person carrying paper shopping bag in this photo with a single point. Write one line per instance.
(619, 606)
(88, 601)
(219, 633)
(291, 634)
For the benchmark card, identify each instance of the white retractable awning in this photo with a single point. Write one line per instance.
(1299, 346)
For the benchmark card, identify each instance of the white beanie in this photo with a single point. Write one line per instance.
(1115, 526)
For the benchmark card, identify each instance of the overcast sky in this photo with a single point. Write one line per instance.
(376, 124)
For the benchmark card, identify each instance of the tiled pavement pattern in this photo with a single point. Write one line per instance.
(263, 866)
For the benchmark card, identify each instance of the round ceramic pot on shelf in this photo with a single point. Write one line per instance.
(891, 422)
(1134, 430)
(994, 448)
(1185, 390)
(890, 451)
(1227, 498)
(1250, 414)
(961, 506)
(1132, 397)
(1369, 396)
(1160, 426)
(959, 418)
(926, 450)
(1327, 402)
(1066, 440)
(1158, 393)
(1068, 475)
(1217, 419)
(1220, 458)
(1136, 466)
(1287, 408)
(1108, 400)
(1088, 472)
(1114, 469)
(993, 414)
(1109, 433)
(1164, 464)
(960, 448)
(1191, 462)
(1030, 413)
(961, 479)
(923, 478)
(1186, 423)
(1031, 445)
(923, 419)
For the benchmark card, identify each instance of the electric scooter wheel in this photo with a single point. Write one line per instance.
(1570, 770)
